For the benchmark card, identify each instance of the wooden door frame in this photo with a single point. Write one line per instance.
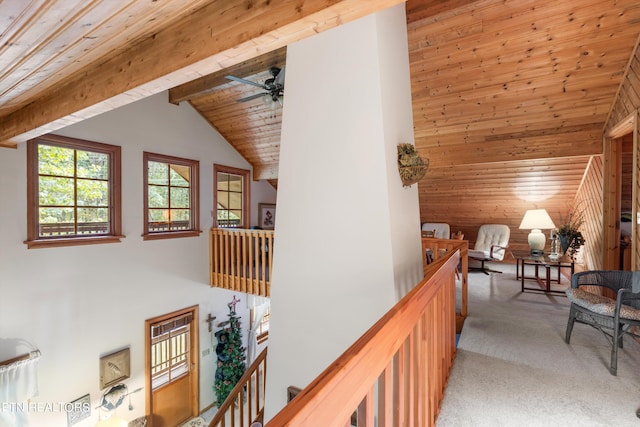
(194, 350)
(612, 193)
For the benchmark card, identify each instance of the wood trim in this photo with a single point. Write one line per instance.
(635, 197)
(611, 202)
(439, 247)
(614, 132)
(246, 192)
(238, 262)
(194, 194)
(194, 310)
(219, 35)
(623, 128)
(427, 314)
(206, 84)
(611, 193)
(34, 241)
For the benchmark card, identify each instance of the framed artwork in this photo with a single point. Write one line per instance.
(78, 410)
(114, 368)
(266, 215)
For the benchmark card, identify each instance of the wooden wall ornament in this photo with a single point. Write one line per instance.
(411, 166)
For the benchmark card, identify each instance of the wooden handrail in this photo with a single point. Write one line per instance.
(403, 361)
(247, 396)
(438, 247)
(241, 260)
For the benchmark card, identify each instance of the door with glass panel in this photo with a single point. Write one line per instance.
(172, 367)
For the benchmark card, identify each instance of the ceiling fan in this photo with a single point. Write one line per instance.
(273, 87)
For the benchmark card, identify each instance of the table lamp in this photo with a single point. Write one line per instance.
(536, 220)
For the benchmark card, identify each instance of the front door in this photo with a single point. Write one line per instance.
(172, 367)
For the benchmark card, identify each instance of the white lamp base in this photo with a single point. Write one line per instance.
(536, 242)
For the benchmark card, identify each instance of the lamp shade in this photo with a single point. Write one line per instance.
(536, 219)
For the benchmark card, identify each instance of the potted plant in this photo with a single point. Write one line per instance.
(569, 232)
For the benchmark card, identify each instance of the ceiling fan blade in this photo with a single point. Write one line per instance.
(249, 82)
(252, 97)
(280, 78)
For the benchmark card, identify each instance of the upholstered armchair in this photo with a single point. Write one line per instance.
(491, 243)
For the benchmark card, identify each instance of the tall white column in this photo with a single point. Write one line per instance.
(347, 232)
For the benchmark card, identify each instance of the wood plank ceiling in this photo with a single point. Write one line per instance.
(509, 97)
(64, 61)
(509, 100)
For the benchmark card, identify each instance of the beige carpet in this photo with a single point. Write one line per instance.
(513, 367)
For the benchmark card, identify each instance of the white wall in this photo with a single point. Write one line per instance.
(78, 303)
(348, 232)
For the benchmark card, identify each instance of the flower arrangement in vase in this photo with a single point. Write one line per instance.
(571, 238)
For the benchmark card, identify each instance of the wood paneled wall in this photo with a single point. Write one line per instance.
(620, 133)
(589, 197)
(509, 102)
(468, 196)
(628, 97)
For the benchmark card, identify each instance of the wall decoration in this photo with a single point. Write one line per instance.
(78, 410)
(113, 398)
(410, 165)
(266, 215)
(114, 368)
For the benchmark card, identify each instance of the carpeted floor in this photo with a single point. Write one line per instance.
(513, 367)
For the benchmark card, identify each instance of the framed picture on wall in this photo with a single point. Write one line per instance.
(114, 368)
(78, 410)
(266, 215)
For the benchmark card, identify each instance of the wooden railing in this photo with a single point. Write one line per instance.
(241, 260)
(90, 228)
(245, 403)
(70, 228)
(395, 374)
(439, 247)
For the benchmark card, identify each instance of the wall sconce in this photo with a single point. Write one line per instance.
(536, 220)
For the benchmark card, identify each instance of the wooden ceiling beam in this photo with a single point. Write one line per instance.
(208, 83)
(219, 35)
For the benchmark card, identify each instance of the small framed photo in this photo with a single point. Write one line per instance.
(78, 410)
(266, 215)
(114, 367)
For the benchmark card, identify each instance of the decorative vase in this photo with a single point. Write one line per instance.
(564, 243)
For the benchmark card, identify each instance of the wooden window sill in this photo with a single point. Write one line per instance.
(71, 241)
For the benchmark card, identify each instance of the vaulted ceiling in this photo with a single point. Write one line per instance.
(509, 97)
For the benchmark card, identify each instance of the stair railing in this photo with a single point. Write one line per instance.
(396, 373)
(241, 260)
(245, 403)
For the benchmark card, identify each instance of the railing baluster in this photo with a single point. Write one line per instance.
(255, 374)
(241, 260)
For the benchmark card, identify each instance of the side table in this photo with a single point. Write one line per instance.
(543, 261)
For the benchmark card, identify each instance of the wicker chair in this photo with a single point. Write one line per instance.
(613, 318)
